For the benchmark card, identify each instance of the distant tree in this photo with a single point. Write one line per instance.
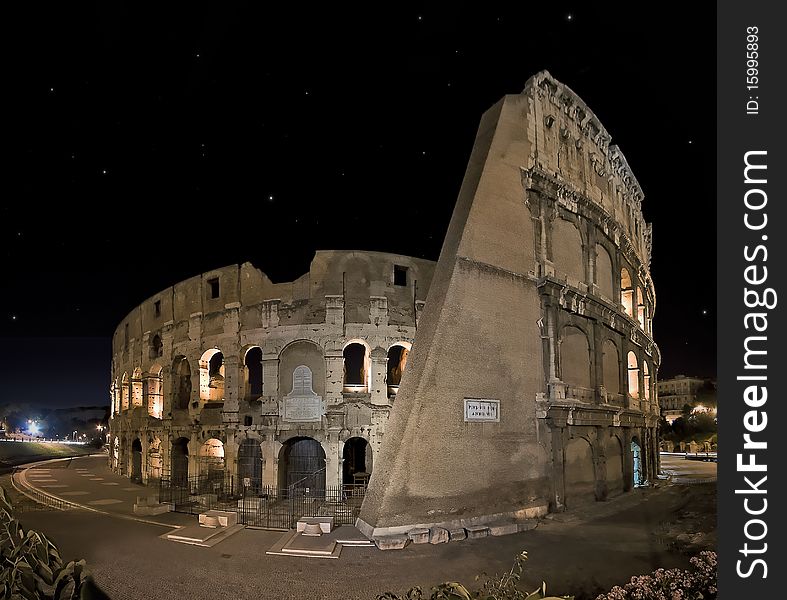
(706, 394)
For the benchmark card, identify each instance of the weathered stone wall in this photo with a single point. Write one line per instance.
(185, 345)
(522, 313)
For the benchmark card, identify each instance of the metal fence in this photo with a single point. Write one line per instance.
(263, 506)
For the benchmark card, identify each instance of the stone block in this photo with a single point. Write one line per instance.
(151, 509)
(208, 521)
(457, 534)
(419, 536)
(223, 518)
(477, 531)
(325, 523)
(503, 529)
(526, 525)
(391, 542)
(438, 535)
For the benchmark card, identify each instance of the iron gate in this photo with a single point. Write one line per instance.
(262, 506)
(269, 507)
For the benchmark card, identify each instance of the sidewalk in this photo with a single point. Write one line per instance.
(89, 484)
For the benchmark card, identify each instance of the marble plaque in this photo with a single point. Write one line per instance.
(302, 405)
(483, 410)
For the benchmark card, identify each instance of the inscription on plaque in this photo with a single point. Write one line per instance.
(484, 410)
(302, 405)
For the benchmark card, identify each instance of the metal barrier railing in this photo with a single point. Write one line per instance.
(258, 505)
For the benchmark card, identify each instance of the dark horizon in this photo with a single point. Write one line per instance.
(157, 145)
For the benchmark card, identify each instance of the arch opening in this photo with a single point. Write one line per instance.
(211, 377)
(626, 292)
(633, 376)
(252, 364)
(355, 367)
(302, 466)
(136, 461)
(397, 361)
(179, 467)
(357, 462)
(250, 466)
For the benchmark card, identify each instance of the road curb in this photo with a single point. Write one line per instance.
(22, 473)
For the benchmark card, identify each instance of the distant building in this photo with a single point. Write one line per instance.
(676, 393)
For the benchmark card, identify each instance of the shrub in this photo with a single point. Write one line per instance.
(499, 587)
(697, 583)
(31, 567)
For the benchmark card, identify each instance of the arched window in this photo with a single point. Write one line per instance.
(633, 370)
(626, 292)
(211, 376)
(355, 367)
(155, 400)
(646, 379)
(253, 370)
(156, 347)
(397, 361)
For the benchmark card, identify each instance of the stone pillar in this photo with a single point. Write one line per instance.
(166, 391)
(232, 378)
(419, 309)
(194, 447)
(333, 463)
(270, 458)
(270, 313)
(379, 389)
(145, 459)
(591, 259)
(558, 475)
(166, 454)
(334, 377)
(231, 453)
(600, 462)
(378, 311)
(270, 375)
(598, 363)
(628, 461)
(334, 311)
(552, 337)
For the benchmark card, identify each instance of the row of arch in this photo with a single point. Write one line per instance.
(301, 462)
(568, 254)
(576, 370)
(582, 480)
(146, 389)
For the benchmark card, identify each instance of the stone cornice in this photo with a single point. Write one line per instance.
(546, 88)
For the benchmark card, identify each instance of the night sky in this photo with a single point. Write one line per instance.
(155, 141)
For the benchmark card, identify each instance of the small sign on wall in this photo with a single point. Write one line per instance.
(483, 410)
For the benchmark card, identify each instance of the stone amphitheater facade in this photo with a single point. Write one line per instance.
(531, 384)
(272, 382)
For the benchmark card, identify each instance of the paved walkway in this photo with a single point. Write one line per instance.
(88, 483)
(582, 552)
(685, 470)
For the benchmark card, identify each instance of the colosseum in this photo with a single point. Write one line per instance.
(531, 382)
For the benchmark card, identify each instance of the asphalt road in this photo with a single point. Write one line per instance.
(581, 552)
